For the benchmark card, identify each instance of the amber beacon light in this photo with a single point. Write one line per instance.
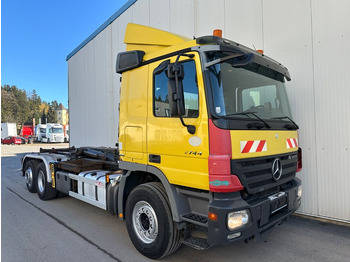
(217, 32)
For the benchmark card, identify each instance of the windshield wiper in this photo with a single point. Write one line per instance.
(288, 126)
(250, 113)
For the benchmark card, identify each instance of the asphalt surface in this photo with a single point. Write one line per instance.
(66, 229)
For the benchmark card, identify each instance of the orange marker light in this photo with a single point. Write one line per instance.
(217, 32)
(213, 216)
(121, 215)
(260, 51)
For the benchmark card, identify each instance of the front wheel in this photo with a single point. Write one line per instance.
(149, 221)
(43, 187)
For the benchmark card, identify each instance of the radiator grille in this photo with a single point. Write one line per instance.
(256, 174)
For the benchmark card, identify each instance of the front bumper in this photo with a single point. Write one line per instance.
(261, 217)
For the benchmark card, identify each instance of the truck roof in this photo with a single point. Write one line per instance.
(149, 43)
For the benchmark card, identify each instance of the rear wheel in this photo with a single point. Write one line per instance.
(43, 187)
(149, 221)
(30, 175)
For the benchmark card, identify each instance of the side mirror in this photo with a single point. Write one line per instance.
(129, 60)
(175, 74)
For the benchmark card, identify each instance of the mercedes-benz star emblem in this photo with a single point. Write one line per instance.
(276, 169)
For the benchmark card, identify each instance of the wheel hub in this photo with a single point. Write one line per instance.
(29, 175)
(145, 222)
(41, 181)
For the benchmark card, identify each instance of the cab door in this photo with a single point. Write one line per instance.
(181, 156)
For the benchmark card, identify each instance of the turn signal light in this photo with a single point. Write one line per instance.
(217, 32)
(213, 216)
(260, 51)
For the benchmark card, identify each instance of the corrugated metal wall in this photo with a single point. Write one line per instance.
(312, 38)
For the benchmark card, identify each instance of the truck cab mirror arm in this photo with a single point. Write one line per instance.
(176, 74)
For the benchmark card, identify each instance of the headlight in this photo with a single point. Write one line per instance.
(237, 219)
(300, 192)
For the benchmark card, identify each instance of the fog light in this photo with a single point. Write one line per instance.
(235, 235)
(237, 219)
(300, 192)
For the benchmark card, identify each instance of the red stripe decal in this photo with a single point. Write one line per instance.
(247, 147)
(289, 143)
(295, 142)
(261, 146)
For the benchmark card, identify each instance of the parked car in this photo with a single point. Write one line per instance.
(26, 140)
(11, 140)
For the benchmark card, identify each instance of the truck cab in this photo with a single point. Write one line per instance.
(40, 132)
(211, 116)
(53, 133)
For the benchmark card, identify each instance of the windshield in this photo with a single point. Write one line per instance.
(238, 89)
(57, 130)
(42, 130)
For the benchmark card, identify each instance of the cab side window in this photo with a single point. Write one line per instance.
(160, 92)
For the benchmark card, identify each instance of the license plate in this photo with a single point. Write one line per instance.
(278, 201)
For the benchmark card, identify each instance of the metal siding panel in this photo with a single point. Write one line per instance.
(159, 14)
(182, 17)
(72, 92)
(209, 15)
(115, 83)
(101, 100)
(111, 106)
(90, 105)
(76, 92)
(123, 20)
(88, 93)
(289, 41)
(95, 96)
(240, 29)
(141, 12)
(331, 40)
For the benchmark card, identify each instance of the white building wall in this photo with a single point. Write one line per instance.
(311, 38)
(331, 39)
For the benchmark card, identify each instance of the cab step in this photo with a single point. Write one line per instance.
(196, 243)
(196, 219)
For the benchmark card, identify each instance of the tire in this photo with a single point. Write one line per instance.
(30, 175)
(43, 187)
(149, 221)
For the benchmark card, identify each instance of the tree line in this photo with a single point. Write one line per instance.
(20, 107)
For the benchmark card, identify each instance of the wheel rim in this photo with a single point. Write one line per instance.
(145, 222)
(29, 176)
(41, 181)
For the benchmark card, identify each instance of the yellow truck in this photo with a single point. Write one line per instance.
(207, 154)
